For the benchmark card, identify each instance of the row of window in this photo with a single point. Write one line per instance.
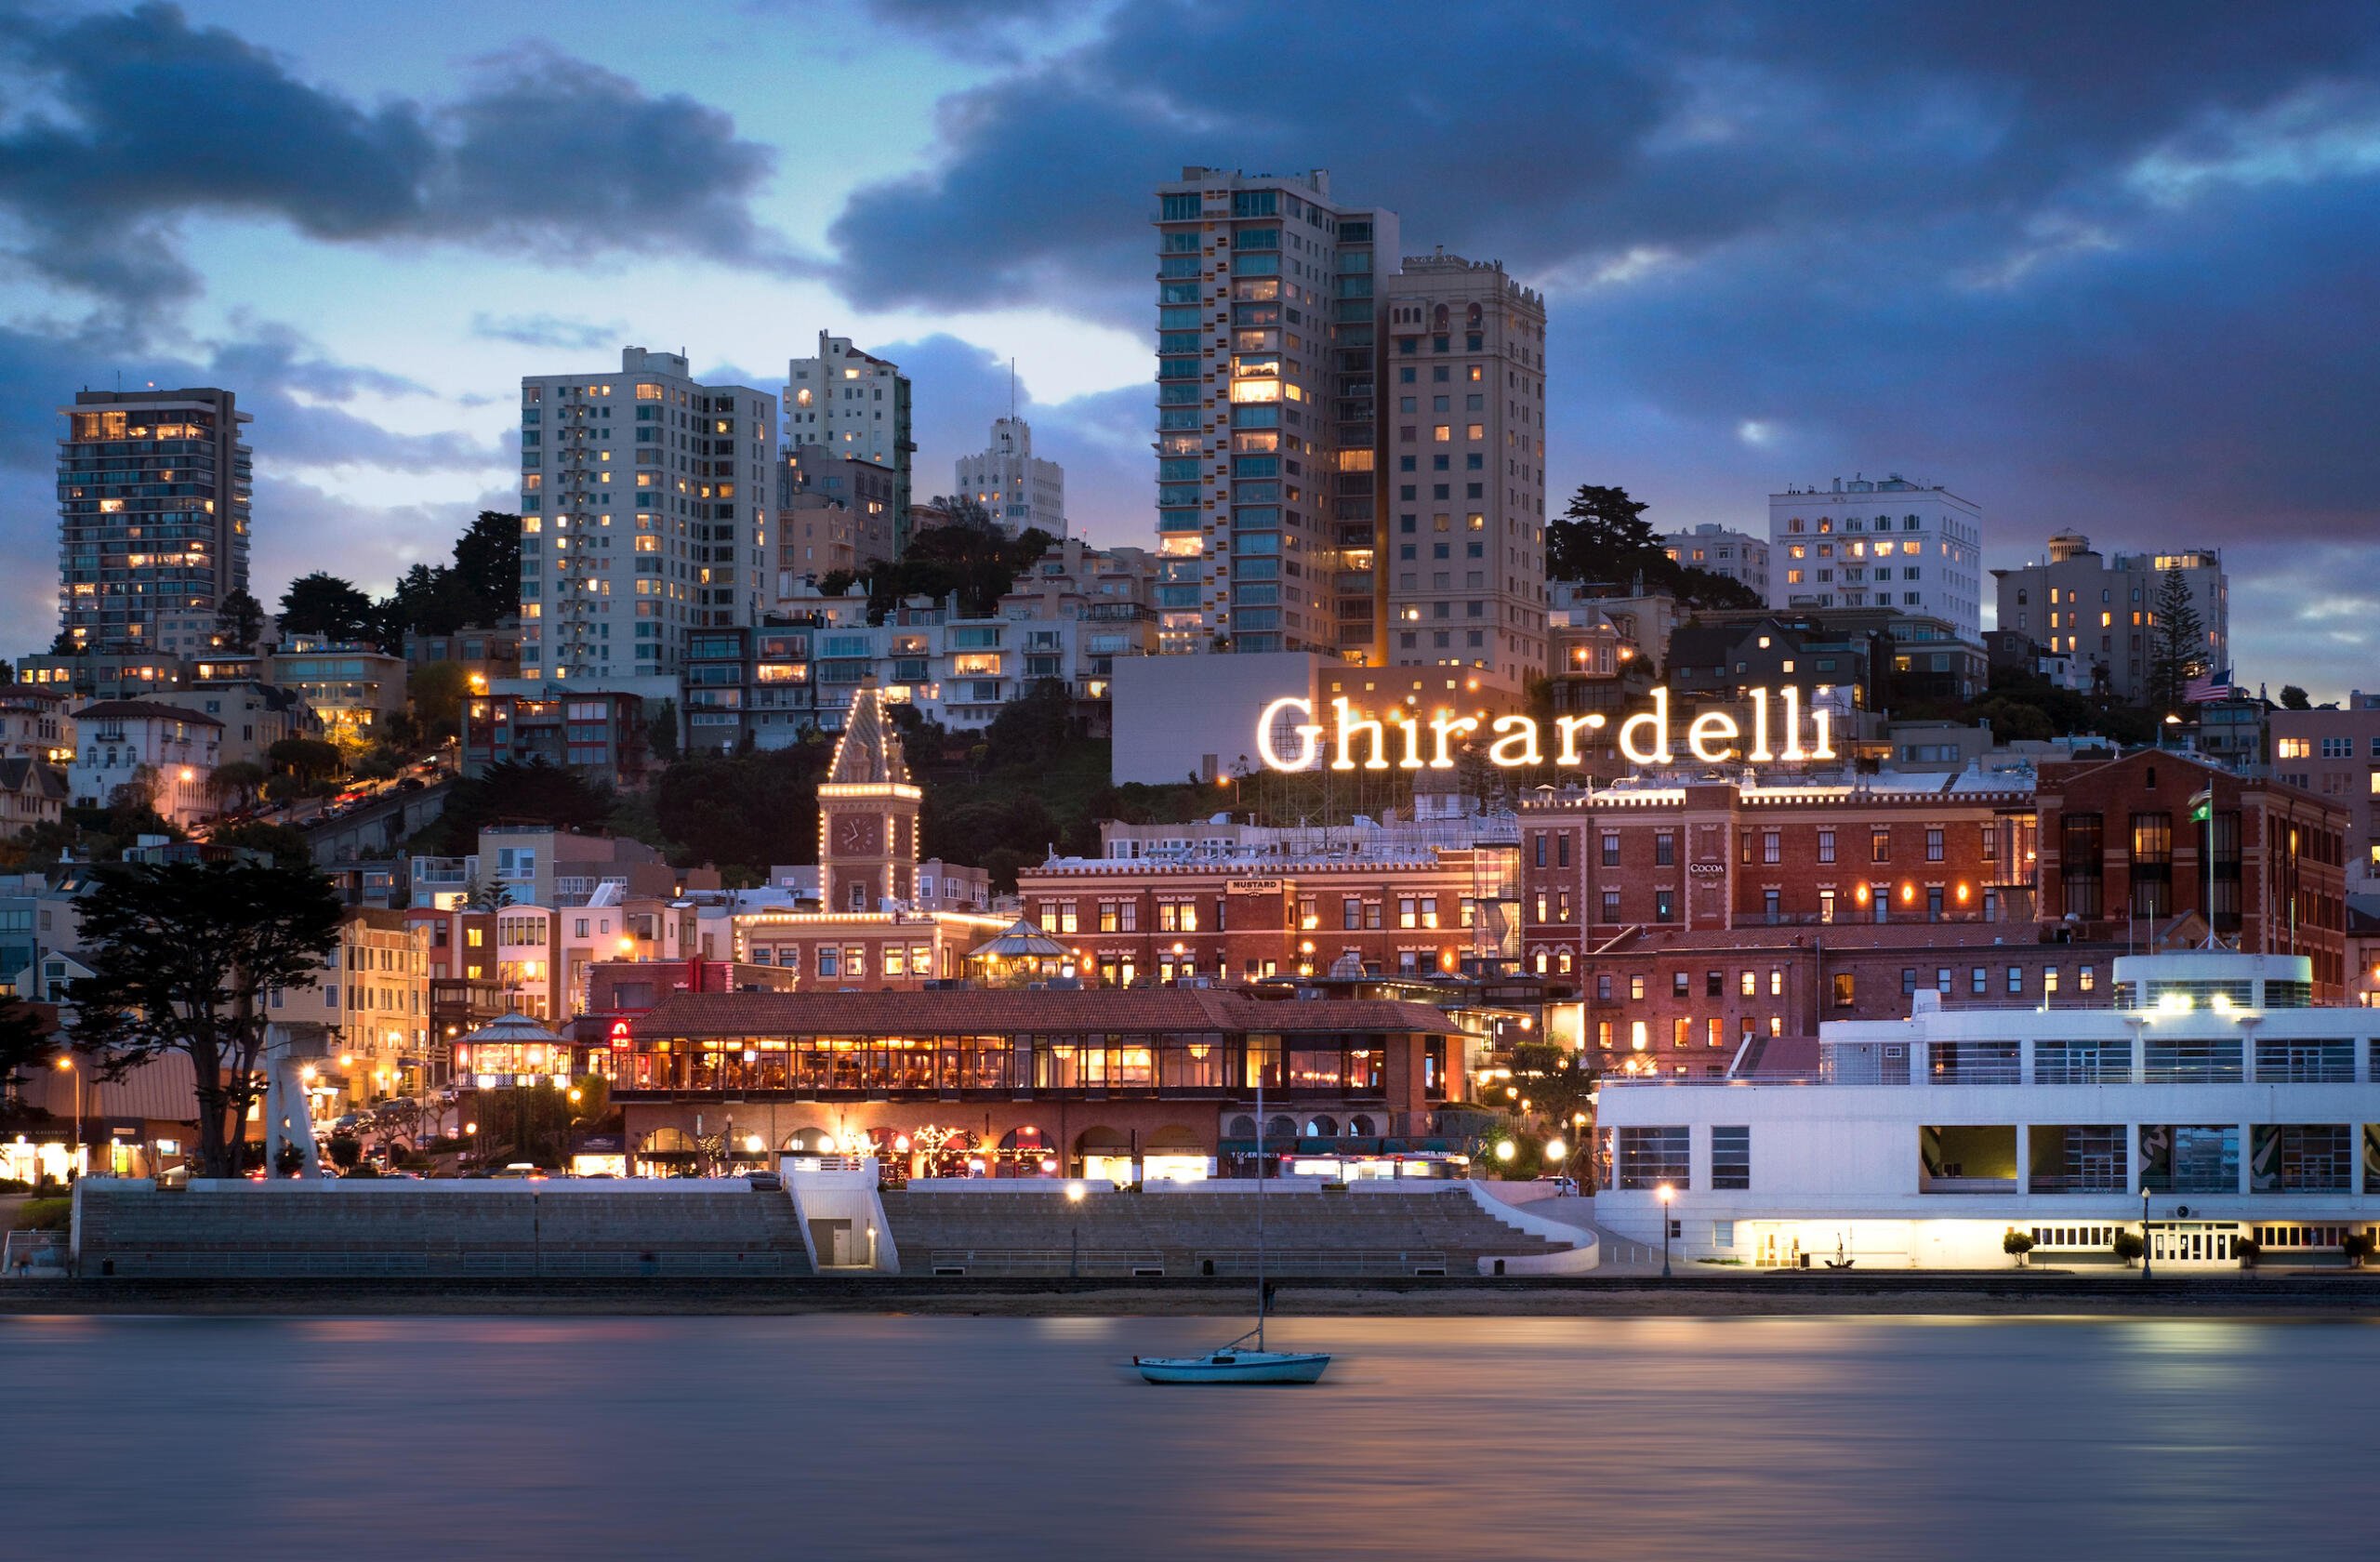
(1642, 1159)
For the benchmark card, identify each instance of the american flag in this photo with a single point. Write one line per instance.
(2208, 688)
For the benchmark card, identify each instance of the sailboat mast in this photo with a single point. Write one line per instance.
(1259, 1206)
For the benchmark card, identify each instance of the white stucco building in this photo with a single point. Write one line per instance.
(1019, 490)
(166, 753)
(1921, 1142)
(1713, 548)
(857, 406)
(644, 499)
(1878, 542)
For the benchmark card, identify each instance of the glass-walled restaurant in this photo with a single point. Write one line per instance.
(1215, 1063)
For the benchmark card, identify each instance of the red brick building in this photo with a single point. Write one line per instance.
(1714, 855)
(2120, 847)
(1410, 910)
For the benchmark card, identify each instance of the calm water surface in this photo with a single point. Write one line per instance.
(844, 1436)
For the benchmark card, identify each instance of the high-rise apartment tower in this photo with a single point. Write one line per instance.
(153, 511)
(1268, 433)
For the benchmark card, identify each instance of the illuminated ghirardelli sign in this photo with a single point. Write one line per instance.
(1400, 740)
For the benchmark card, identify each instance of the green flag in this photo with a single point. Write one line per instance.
(2203, 806)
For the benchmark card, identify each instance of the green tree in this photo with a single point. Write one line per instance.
(183, 956)
(324, 604)
(2294, 699)
(487, 564)
(488, 895)
(1039, 723)
(285, 846)
(437, 690)
(239, 623)
(661, 731)
(308, 759)
(236, 784)
(749, 810)
(1602, 536)
(433, 601)
(2177, 645)
(27, 1041)
(518, 794)
(975, 561)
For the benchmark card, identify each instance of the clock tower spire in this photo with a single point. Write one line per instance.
(867, 813)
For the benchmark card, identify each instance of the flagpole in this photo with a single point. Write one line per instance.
(2210, 863)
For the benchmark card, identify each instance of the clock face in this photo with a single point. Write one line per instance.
(858, 833)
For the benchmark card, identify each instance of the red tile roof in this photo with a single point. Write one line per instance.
(963, 1011)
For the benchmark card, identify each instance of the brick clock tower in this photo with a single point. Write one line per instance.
(867, 814)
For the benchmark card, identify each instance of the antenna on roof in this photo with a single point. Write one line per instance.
(1011, 389)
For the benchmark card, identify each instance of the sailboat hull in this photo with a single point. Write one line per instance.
(1232, 1367)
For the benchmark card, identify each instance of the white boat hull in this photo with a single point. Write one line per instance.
(1232, 1367)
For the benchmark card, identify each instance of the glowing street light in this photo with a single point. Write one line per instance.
(1073, 1231)
(1665, 1193)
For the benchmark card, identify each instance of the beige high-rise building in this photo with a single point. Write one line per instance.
(1463, 410)
(2101, 610)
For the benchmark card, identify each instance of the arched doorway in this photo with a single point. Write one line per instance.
(1104, 1153)
(1023, 1152)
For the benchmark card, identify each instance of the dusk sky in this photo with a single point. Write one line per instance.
(2111, 267)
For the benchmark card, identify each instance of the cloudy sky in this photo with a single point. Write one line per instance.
(2113, 266)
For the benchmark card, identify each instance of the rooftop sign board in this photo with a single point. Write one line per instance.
(1397, 740)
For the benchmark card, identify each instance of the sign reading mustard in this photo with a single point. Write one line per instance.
(1397, 741)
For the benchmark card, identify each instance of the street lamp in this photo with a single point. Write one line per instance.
(1665, 1193)
(2144, 1232)
(1074, 1247)
(74, 1151)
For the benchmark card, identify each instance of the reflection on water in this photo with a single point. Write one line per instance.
(843, 1436)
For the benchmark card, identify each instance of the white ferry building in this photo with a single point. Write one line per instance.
(2211, 1084)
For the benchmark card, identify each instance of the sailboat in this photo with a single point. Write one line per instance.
(1239, 1362)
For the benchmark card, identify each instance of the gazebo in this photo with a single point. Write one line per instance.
(1021, 954)
(512, 1048)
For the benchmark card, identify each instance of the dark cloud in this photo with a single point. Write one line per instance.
(1561, 137)
(966, 17)
(547, 330)
(2102, 266)
(133, 119)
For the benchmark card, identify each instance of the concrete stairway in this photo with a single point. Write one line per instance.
(1002, 1231)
